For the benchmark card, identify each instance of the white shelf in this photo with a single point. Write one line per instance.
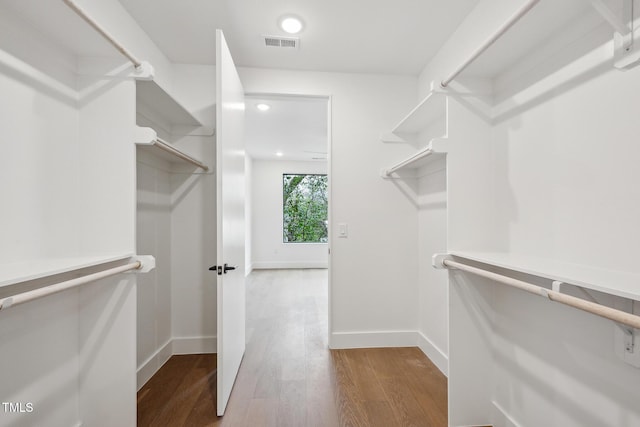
(428, 154)
(147, 139)
(620, 283)
(431, 109)
(24, 271)
(150, 97)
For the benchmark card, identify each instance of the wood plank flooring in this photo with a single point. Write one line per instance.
(288, 377)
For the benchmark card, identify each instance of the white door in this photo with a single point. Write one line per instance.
(230, 224)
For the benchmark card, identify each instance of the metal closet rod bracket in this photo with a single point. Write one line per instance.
(627, 331)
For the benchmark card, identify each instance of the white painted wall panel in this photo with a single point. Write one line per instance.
(28, 332)
(432, 238)
(153, 238)
(193, 292)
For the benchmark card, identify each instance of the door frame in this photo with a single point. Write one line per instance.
(329, 99)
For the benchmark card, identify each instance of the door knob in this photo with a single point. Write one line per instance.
(227, 268)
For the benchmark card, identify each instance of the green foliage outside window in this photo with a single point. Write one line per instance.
(304, 208)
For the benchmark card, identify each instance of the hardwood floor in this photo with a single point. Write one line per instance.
(288, 377)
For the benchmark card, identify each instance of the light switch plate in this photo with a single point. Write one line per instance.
(343, 230)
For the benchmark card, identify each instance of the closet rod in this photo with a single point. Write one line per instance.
(171, 150)
(491, 40)
(420, 155)
(59, 287)
(77, 9)
(619, 316)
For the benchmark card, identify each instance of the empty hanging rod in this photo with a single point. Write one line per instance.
(491, 40)
(594, 308)
(172, 150)
(59, 287)
(77, 9)
(420, 155)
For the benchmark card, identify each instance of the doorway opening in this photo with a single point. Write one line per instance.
(288, 195)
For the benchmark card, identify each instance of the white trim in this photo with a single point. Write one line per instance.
(150, 366)
(194, 345)
(272, 265)
(437, 356)
(501, 417)
(373, 339)
(248, 269)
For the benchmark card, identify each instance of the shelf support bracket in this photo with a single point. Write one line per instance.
(144, 72)
(625, 342)
(622, 22)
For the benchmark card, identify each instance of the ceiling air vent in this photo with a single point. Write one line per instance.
(287, 42)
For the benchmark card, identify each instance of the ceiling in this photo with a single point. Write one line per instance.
(295, 126)
(366, 36)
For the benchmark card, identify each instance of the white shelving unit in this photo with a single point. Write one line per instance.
(430, 114)
(619, 283)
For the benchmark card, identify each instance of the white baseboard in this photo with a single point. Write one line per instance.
(372, 339)
(272, 265)
(153, 363)
(437, 356)
(194, 345)
(190, 345)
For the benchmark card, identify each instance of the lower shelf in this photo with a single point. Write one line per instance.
(619, 283)
(15, 273)
(419, 159)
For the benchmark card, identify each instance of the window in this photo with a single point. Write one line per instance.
(304, 208)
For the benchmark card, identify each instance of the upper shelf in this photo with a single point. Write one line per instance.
(153, 98)
(147, 138)
(431, 109)
(620, 283)
(19, 272)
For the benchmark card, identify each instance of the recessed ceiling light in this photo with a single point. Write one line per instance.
(263, 107)
(279, 154)
(291, 24)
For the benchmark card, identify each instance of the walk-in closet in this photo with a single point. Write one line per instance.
(483, 213)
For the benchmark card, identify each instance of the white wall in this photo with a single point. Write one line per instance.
(193, 224)
(560, 182)
(153, 236)
(268, 249)
(432, 238)
(374, 270)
